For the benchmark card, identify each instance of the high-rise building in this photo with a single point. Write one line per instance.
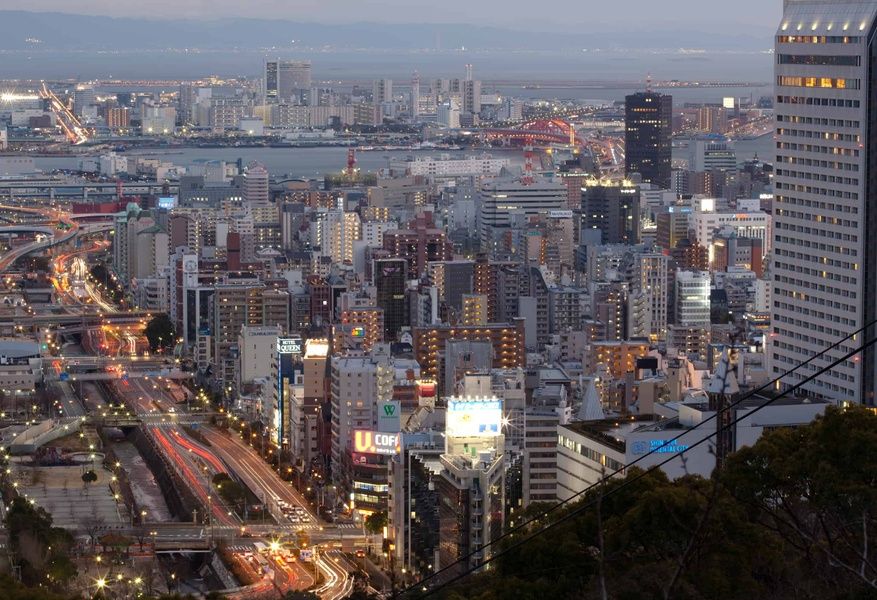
(286, 79)
(693, 298)
(382, 91)
(709, 154)
(414, 101)
(648, 135)
(503, 197)
(613, 210)
(824, 248)
(390, 277)
(472, 96)
(256, 185)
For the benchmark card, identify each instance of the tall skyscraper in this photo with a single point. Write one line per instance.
(648, 130)
(390, 277)
(382, 91)
(824, 269)
(256, 192)
(285, 79)
(415, 95)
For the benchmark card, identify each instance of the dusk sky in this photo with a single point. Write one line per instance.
(568, 15)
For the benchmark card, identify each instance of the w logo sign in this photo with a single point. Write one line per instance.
(389, 409)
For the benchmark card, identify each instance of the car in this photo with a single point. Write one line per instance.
(360, 553)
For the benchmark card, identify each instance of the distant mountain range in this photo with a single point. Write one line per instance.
(21, 30)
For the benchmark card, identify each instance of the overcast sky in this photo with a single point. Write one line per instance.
(708, 15)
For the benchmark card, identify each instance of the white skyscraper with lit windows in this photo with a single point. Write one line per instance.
(825, 253)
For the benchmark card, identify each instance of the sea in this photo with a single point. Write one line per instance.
(316, 162)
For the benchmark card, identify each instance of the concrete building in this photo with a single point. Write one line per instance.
(507, 340)
(256, 346)
(612, 209)
(693, 298)
(255, 185)
(590, 450)
(711, 154)
(824, 229)
(503, 196)
(548, 409)
(286, 79)
(648, 134)
(446, 166)
(357, 384)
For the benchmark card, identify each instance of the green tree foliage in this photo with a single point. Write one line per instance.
(41, 549)
(791, 517)
(11, 589)
(375, 522)
(160, 333)
(89, 477)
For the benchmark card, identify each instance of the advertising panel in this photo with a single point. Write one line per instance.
(467, 418)
(376, 442)
(289, 345)
(389, 416)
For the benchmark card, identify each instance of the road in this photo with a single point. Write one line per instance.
(194, 463)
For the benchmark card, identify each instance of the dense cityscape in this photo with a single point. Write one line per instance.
(463, 335)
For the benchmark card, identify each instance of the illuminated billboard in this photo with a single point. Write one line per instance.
(289, 345)
(167, 202)
(375, 442)
(474, 417)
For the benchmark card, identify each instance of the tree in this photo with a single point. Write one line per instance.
(160, 333)
(375, 522)
(41, 549)
(815, 487)
(788, 518)
(89, 477)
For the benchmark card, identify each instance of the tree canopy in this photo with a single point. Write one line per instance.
(791, 517)
(160, 332)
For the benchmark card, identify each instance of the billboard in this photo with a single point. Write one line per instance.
(167, 202)
(376, 442)
(472, 418)
(289, 345)
(389, 416)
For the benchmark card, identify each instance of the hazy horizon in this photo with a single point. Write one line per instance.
(565, 15)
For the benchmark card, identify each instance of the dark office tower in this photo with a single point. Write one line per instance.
(648, 137)
(390, 275)
(613, 209)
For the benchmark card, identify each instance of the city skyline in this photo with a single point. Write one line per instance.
(309, 300)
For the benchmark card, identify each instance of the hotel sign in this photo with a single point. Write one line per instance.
(289, 345)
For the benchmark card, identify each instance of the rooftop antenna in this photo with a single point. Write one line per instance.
(648, 82)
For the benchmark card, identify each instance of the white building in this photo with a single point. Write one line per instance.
(335, 232)
(502, 197)
(650, 278)
(112, 164)
(693, 298)
(590, 450)
(549, 409)
(708, 155)
(256, 185)
(746, 221)
(358, 383)
(158, 120)
(448, 113)
(446, 166)
(824, 191)
(256, 346)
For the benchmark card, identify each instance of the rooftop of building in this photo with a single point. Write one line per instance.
(611, 432)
